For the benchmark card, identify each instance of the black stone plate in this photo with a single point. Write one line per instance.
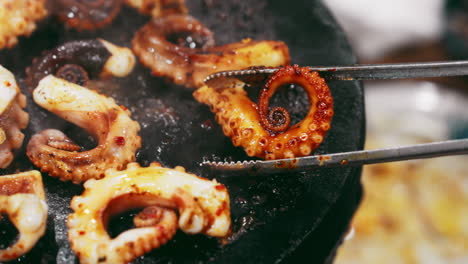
(277, 218)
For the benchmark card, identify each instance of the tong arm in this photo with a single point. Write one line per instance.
(353, 158)
(226, 79)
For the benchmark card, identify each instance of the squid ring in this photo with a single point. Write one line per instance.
(117, 134)
(22, 198)
(180, 48)
(76, 61)
(266, 133)
(203, 207)
(12, 117)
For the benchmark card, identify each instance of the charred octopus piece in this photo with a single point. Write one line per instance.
(117, 134)
(180, 48)
(94, 14)
(203, 207)
(77, 61)
(18, 18)
(86, 14)
(266, 133)
(22, 199)
(159, 8)
(12, 117)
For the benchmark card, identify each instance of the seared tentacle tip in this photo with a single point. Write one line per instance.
(264, 132)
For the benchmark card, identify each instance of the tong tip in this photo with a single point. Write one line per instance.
(229, 166)
(233, 78)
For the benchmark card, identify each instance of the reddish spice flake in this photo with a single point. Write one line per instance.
(219, 211)
(7, 83)
(120, 141)
(81, 233)
(123, 107)
(220, 187)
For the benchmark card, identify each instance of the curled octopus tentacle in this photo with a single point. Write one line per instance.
(94, 14)
(182, 49)
(117, 134)
(86, 14)
(266, 133)
(202, 206)
(12, 117)
(22, 199)
(159, 8)
(18, 18)
(77, 61)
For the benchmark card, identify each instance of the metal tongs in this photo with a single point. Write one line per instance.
(222, 80)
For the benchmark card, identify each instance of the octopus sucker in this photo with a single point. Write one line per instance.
(86, 14)
(12, 117)
(202, 206)
(77, 61)
(22, 199)
(266, 132)
(182, 49)
(159, 8)
(18, 18)
(116, 133)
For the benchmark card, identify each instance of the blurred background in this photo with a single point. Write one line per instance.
(415, 211)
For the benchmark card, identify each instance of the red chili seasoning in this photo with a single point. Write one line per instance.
(120, 141)
(219, 211)
(220, 187)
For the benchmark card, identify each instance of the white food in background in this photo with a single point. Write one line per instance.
(376, 27)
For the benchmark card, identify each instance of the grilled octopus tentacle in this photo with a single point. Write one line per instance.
(86, 14)
(12, 117)
(180, 48)
(159, 8)
(77, 61)
(262, 133)
(110, 124)
(18, 18)
(203, 207)
(22, 198)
